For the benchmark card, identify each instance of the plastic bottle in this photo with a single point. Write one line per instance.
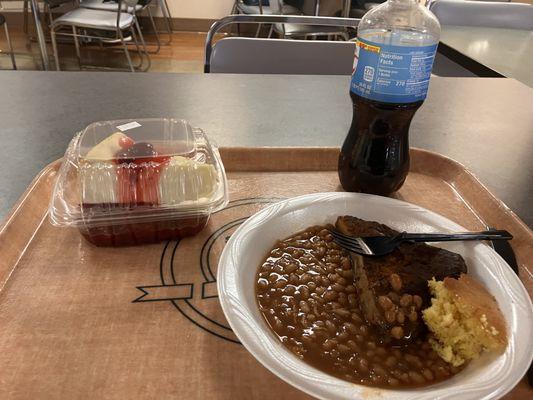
(396, 46)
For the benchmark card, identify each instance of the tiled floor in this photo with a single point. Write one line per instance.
(184, 54)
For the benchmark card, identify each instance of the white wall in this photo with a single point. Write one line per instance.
(214, 9)
(207, 9)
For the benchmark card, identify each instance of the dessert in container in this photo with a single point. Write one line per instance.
(130, 182)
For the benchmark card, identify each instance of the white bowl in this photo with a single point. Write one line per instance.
(489, 377)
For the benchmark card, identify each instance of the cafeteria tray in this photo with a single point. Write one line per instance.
(79, 321)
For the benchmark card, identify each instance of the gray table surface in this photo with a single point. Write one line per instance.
(485, 123)
(506, 51)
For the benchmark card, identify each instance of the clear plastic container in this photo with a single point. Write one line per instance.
(131, 182)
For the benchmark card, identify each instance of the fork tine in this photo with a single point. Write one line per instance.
(351, 249)
(348, 239)
(347, 246)
(364, 247)
(350, 243)
(347, 242)
(341, 236)
(335, 232)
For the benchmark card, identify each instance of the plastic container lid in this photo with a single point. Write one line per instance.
(128, 171)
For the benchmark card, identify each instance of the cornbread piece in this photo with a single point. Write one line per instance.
(464, 319)
(393, 289)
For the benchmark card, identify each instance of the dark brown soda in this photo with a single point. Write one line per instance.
(375, 155)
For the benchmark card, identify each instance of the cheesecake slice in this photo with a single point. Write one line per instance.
(118, 171)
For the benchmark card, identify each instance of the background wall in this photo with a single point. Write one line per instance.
(201, 9)
(206, 9)
(214, 9)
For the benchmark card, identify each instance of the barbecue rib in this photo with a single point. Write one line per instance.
(393, 289)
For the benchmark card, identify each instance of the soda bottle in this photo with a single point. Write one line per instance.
(396, 46)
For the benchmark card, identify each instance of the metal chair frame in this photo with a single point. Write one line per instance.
(119, 37)
(168, 20)
(47, 11)
(161, 3)
(314, 35)
(10, 46)
(269, 19)
(147, 7)
(237, 10)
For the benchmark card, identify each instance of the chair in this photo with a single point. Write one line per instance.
(104, 26)
(279, 7)
(279, 56)
(8, 39)
(48, 6)
(276, 7)
(306, 31)
(483, 13)
(139, 7)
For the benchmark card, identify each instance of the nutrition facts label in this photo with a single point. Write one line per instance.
(392, 74)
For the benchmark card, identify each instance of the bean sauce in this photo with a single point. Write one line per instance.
(306, 294)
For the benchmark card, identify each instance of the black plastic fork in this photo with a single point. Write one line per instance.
(381, 245)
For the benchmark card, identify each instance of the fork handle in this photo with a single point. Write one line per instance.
(449, 237)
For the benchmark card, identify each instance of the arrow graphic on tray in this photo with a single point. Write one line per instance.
(165, 292)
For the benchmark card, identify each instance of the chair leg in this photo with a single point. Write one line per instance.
(271, 31)
(10, 46)
(77, 45)
(48, 11)
(168, 18)
(235, 11)
(126, 52)
(155, 30)
(138, 67)
(143, 43)
(25, 12)
(258, 30)
(238, 26)
(54, 47)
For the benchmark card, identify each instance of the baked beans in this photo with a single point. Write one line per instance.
(306, 294)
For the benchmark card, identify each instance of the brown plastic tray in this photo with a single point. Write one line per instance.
(77, 321)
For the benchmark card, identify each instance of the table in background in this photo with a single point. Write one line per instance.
(486, 124)
(507, 52)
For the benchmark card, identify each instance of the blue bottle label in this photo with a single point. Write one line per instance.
(392, 74)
